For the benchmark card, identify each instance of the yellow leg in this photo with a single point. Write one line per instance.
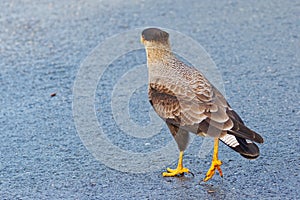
(179, 170)
(215, 164)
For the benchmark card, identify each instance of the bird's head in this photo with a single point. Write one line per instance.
(154, 37)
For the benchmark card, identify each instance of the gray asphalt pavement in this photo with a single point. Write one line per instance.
(254, 44)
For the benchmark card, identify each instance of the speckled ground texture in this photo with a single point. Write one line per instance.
(255, 45)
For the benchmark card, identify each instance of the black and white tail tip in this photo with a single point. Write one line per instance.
(246, 148)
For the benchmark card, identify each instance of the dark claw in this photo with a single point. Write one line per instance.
(192, 173)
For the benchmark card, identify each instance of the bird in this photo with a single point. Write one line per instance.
(188, 103)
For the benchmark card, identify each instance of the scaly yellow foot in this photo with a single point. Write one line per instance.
(215, 164)
(174, 172)
(179, 170)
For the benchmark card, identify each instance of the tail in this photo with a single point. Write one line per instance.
(240, 138)
(246, 148)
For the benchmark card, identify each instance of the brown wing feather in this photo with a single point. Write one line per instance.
(163, 101)
(195, 103)
(187, 103)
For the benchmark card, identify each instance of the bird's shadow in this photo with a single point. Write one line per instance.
(215, 189)
(180, 178)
